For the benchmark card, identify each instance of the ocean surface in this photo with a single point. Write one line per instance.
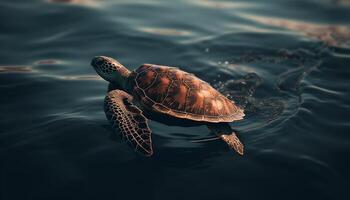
(286, 62)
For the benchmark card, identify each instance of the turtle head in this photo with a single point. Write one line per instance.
(110, 70)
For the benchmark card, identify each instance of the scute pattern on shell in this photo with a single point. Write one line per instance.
(172, 91)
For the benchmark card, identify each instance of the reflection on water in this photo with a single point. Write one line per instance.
(341, 2)
(9, 69)
(285, 62)
(165, 31)
(47, 62)
(222, 4)
(81, 77)
(332, 35)
(77, 2)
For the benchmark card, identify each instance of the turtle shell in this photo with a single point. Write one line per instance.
(171, 91)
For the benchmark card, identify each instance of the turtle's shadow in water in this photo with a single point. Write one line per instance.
(189, 157)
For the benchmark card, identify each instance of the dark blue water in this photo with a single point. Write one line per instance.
(286, 62)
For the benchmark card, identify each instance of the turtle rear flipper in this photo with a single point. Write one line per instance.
(225, 132)
(233, 142)
(129, 120)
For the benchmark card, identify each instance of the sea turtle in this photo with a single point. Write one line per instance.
(166, 94)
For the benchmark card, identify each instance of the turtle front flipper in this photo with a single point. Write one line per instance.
(129, 120)
(225, 132)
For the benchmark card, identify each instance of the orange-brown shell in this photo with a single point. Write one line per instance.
(171, 91)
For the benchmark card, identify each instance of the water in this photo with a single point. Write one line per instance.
(285, 62)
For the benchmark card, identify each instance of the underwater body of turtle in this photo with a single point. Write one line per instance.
(165, 94)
